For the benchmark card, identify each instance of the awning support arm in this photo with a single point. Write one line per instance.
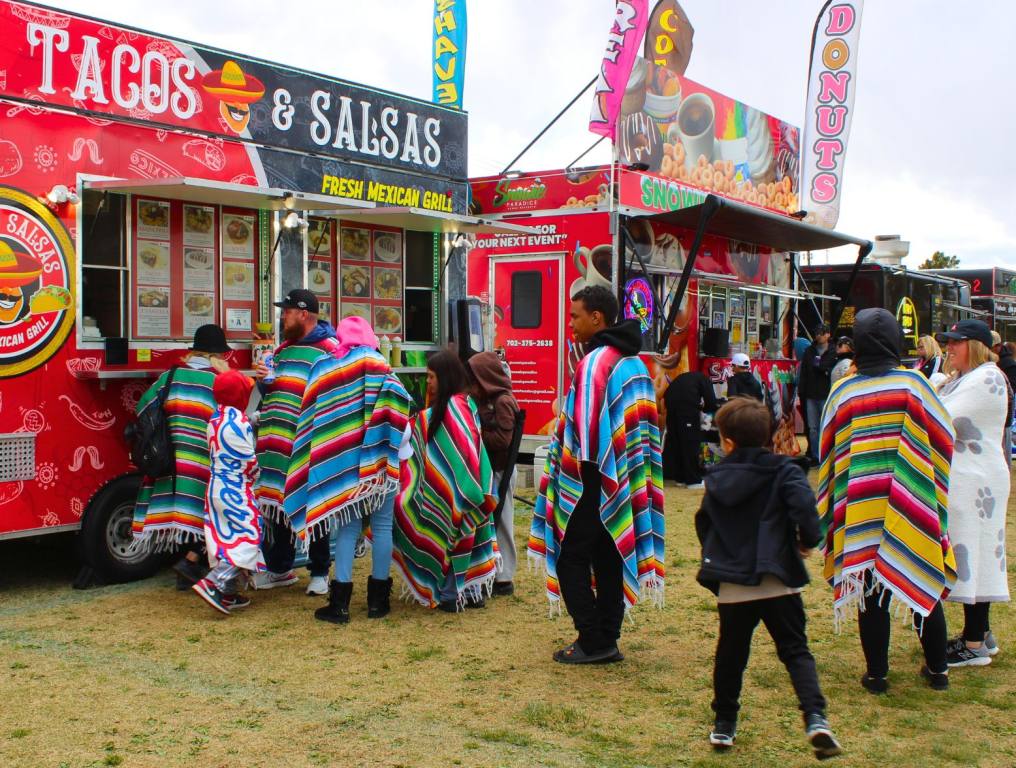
(801, 280)
(710, 206)
(547, 127)
(862, 252)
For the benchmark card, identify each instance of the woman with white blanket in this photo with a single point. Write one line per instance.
(975, 397)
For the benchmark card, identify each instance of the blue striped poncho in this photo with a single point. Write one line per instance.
(610, 419)
(345, 458)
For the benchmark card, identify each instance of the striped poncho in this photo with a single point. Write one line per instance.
(345, 458)
(609, 418)
(885, 450)
(170, 510)
(443, 511)
(279, 411)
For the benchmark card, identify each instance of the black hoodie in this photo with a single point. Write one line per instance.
(878, 340)
(757, 509)
(626, 337)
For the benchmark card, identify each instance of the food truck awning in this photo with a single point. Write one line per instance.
(748, 224)
(224, 193)
(421, 220)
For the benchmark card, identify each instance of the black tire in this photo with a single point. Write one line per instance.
(106, 538)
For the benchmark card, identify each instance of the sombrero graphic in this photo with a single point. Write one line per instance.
(235, 91)
(231, 85)
(17, 268)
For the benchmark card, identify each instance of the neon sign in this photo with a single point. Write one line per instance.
(638, 302)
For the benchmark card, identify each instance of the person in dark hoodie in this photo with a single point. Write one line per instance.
(686, 398)
(498, 408)
(757, 519)
(816, 367)
(743, 382)
(1007, 364)
(600, 507)
(306, 339)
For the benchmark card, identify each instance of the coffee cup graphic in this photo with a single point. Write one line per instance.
(595, 267)
(696, 125)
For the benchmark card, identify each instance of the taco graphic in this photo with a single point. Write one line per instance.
(19, 277)
(52, 298)
(236, 91)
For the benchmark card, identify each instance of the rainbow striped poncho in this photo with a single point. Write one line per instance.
(279, 413)
(345, 458)
(885, 451)
(609, 418)
(443, 511)
(170, 510)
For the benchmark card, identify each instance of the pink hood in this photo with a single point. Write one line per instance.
(355, 332)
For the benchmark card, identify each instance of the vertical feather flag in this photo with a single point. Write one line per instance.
(631, 17)
(831, 85)
(449, 52)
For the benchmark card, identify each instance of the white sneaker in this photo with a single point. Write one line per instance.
(695, 486)
(271, 580)
(318, 585)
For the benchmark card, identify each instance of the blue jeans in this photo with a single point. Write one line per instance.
(813, 414)
(381, 546)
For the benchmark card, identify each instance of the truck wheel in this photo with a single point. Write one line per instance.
(107, 543)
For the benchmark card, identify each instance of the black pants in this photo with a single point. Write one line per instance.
(597, 616)
(874, 621)
(784, 620)
(687, 441)
(975, 622)
(280, 551)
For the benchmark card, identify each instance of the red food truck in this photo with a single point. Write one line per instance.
(149, 186)
(691, 225)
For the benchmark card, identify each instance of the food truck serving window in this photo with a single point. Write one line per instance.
(157, 269)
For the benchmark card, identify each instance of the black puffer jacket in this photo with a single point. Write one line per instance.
(757, 508)
(744, 383)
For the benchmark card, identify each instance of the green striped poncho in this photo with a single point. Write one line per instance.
(443, 511)
(279, 413)
(170, 510)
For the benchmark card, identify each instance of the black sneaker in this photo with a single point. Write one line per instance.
(503, 588)
(939, 681)
(448, 606)
(874, 684)
(236, 600)
(208, 592)
(723, 734)
(188, 572)
(821, 737)
(965, 656)
(573, 654)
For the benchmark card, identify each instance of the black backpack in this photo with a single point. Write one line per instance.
(151, 446)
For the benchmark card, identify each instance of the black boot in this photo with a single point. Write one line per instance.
(379, 593)
(337, 610)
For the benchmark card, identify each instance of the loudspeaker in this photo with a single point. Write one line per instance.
(467, 326)
(716, 342)
(115, 350)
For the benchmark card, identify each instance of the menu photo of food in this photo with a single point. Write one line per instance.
(387, 283)
(153, 219)
(198, 309)
(237, 281)
(319, 277)
(354, 243)
(355, 282)
(237, 236)
(355, 309)
(325, 311)
(388, 247)
(199, 225)
(197, 269)
(153, 312)
(387, 320)
(319, 237)
(153, 262)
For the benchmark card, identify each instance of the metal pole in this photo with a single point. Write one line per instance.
(862, 252)
(547, 128)
(594, 146)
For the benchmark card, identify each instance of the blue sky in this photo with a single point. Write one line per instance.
(930, 156)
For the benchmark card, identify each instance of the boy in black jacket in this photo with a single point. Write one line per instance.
(758, 518)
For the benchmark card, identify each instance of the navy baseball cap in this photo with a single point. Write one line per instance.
(967, 329)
